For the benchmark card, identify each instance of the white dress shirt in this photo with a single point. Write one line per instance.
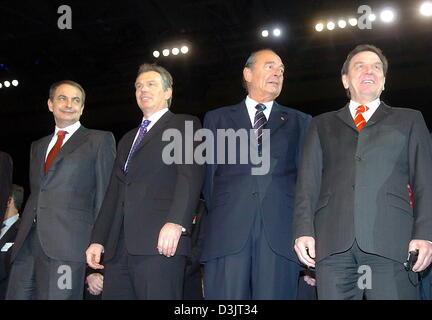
(7, 224)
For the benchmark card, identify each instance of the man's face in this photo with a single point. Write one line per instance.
(265, 77)
(365, 78)
(66, 105)
(149, 93)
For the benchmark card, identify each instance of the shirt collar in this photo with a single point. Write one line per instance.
(251, 104)
(155, 117)
(70, 129)
(11, 220)
(373, 105)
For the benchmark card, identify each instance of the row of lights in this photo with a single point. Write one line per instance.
(7, 84)
(174, 51)
(386, 16)
(276, 32)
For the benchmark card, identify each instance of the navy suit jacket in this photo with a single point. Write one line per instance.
(233, 195)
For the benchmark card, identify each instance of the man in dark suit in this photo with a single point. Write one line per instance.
(8, 233)
(248, 226)
(6, 170)
(144, 225)
(69, 174)
(363, 198)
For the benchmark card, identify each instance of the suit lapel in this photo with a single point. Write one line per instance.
(159, 125)
(379, 114)
(9, 236)
(278, 116)
(77, 139)
(41, 150)
(240, 116)
(344, 114)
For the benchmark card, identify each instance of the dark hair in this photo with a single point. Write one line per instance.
(363, 48)
(17, 194)
(167, 80)
(251, 61)
(55, 85)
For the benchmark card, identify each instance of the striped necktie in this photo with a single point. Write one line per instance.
(359, 120)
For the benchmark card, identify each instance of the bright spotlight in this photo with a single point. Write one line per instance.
(156, 54)
(1, 86)
(330, 25)
(372, 17)
(7, 84)
(184, 49)
(342, 23)
(277, 32)
(426, 9)
(319, 27)
(175, 51)
(265, 33)
(15, 83)
(387, 15)
(352, 21)
(165, 52)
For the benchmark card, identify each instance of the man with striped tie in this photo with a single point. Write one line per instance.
(364, 189)
(248, 229)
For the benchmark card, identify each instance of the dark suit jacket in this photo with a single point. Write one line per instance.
(233, 195)
(354, 185)
(6, 170)
(67, 199)
(8, 237)
(150, 195)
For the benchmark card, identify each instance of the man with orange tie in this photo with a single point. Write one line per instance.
(69, 174)
(363, 195)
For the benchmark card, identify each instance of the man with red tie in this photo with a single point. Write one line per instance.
(69, 174)
(354, 219)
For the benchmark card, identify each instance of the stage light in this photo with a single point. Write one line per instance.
(342, 23)
(1, 86)
(265, 33)
(15, 83)
(426, 9)
(6, 84)
(156, 54)
(319, 27)
(372, 17)
(184, 49)
(276, 32)
(175, 51)
(165, 52)
(330, 25)
(387, 15)
(352, 21)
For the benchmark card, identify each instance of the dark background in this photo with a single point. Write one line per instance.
(110, 39)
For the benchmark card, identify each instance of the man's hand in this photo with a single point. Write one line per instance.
(303, 246)
(93, 254)
(95, 283)
(169, 237)
(424, 258)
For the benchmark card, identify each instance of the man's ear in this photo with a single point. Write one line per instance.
(345, 81)
(247, 74)
(50, 104)
(168, 93)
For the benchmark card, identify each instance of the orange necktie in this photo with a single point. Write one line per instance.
(54, 150)
(359, 120)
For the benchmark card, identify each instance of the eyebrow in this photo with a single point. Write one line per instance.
(273, 62)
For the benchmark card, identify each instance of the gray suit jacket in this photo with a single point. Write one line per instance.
(353, 185)
(67, 199)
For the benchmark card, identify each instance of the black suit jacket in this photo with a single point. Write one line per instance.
(151, 194)
(353, 185)
(8, 237)
(6, 169)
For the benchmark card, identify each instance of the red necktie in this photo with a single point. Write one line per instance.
(54, 150)
(359, 120)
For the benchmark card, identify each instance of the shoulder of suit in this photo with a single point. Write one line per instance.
(184, 117)
(98, 133)
(222, 111)
(295, 112)
(406, 111)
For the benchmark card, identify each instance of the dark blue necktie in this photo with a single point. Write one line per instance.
(259, 122)
(142, 131)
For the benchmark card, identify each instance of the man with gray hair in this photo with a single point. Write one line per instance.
(248, 228)
(144, 225)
